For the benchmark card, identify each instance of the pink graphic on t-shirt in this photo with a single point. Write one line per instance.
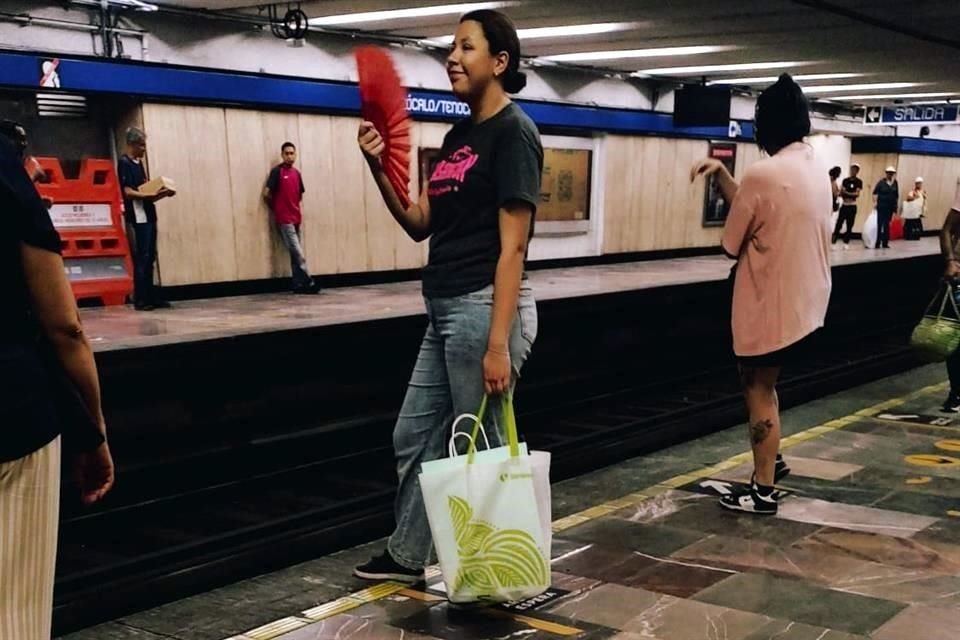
(455, 168)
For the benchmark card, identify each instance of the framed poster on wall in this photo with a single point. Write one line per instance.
(565, 185)
(715, 206)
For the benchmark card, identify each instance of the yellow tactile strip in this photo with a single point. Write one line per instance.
(377, 592)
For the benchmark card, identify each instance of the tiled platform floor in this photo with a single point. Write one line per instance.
(123, 328)
(866, 545)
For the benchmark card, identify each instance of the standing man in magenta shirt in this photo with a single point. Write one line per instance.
(284, 194)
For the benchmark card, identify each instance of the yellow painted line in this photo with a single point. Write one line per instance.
(545, 625)
(953, 514)
(920, 480)
(278, 628)
(383, 590)
(353, 601)
(422, 596)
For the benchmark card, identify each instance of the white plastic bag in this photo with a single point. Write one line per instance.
(490, 517)
(869, 233)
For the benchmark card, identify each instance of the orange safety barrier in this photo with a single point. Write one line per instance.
(88, 214)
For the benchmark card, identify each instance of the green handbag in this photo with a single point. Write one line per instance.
(938, 336)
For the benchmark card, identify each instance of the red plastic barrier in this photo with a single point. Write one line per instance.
(88, 214)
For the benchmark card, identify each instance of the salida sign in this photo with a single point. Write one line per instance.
(917, 114)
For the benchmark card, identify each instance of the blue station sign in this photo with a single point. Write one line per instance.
(913, 114)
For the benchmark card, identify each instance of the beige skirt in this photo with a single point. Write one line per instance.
(29, 515)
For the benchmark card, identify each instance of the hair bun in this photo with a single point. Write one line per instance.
(515, 82)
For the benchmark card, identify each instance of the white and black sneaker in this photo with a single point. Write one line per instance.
(752, 499)
(384, 567)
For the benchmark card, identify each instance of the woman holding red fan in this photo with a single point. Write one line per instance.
(477, 210)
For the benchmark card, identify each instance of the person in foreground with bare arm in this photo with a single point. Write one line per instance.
(778, 231)
(949, 239)
(477, 209)
(48, 403)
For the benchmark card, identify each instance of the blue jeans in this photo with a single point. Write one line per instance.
(447, 381)
(290, 233)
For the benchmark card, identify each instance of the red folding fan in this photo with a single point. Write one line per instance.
(383, 101)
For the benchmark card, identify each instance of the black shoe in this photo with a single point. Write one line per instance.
(952, 403)
(143, 306)
(161, 304)
(781, 471)
(750, 500)
(383, 567)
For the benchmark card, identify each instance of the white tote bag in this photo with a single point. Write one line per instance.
(490, 516)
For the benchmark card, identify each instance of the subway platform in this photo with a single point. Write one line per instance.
(866, 545)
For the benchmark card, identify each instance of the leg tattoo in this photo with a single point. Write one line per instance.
(760, 430)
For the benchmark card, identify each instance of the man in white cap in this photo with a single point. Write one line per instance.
(849, 193)
(949, 241)
(886, 199)
(914, 208)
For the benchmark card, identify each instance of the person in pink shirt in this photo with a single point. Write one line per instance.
(778, 231)
(284, 194)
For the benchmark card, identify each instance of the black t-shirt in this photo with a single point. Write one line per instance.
(851, 184)
(480, 168)
(29, 420)
(888, 195)
(133, 175)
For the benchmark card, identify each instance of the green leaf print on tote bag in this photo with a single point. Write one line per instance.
(489, 514)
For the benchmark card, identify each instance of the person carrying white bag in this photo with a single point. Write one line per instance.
(490, 516)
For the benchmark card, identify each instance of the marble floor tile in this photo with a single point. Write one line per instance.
(857, 518)
(652, 616)
(894, 551)
(933, 591)
(924, 504)
(802, 560)
(799, 466)
(617, 533)
(785, 630)
(352, 627)
(601, 563)
(921, 623)
(710, 518)
(790, 599)
(610, 605)
(660, 506)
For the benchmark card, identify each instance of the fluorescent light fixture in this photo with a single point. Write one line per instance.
(799, 78)
(833, 88)
(717, 68)
(625, 54)
(934, 102)
(892, 96)
(566, 31)
(401, 14)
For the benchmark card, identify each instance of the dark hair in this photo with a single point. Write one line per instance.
(782, 115)
(284, 146)
(835, 172)
(501, 36)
